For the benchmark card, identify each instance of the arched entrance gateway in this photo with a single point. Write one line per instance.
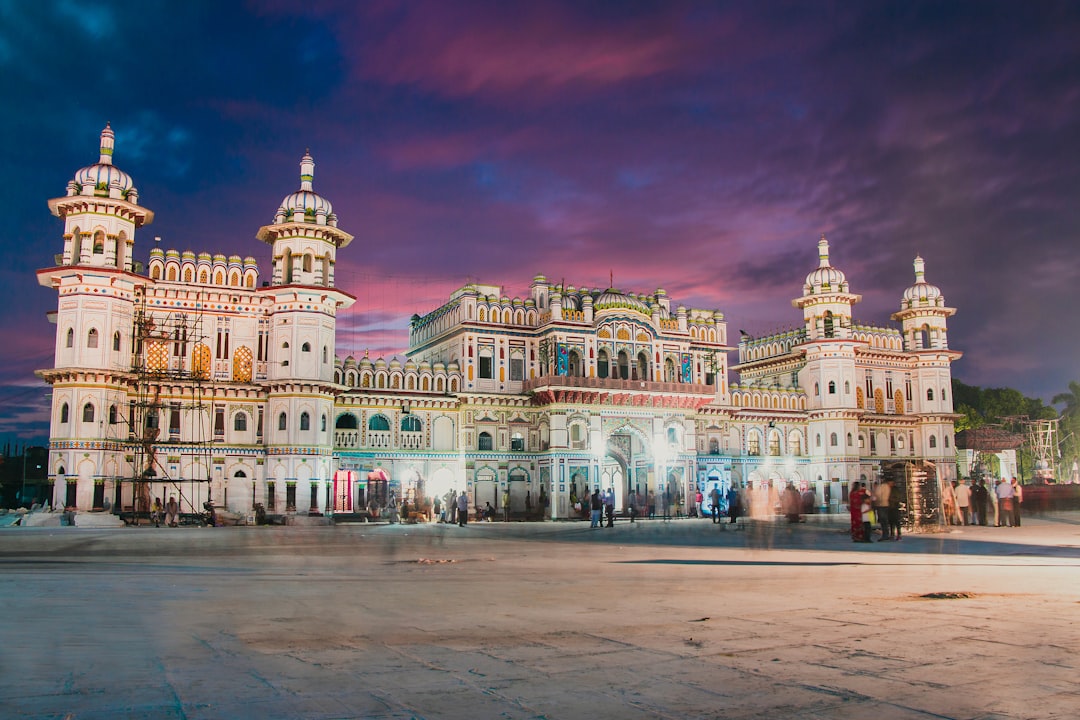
(627, 466)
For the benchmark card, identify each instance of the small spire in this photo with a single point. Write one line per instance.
(823, 251)
(919, 270)
(307, 171)
(107, 138)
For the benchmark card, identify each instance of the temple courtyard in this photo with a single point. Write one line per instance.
(655, 619)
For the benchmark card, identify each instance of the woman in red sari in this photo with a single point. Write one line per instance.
(855, 501)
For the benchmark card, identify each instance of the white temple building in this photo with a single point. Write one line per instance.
(188, 375)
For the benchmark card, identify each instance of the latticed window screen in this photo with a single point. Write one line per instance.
(200, 361)
(157, 356)
(242, 365)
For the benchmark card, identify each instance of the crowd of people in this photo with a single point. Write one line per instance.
(979, 504)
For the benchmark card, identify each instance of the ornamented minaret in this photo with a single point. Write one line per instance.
(92, 358)
(923, 315)
(305, 239)
(101, 213)
(829, 373)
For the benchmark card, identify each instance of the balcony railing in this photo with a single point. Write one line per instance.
(650, 386)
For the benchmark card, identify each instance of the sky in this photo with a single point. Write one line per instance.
(702, 147)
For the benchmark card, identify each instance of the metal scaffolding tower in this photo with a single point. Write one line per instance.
(168, 412)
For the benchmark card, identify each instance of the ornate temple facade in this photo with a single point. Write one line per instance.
(190, 376)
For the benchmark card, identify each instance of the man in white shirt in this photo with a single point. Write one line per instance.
(1004, 492)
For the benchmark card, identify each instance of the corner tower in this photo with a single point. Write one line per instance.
(101, 213)
(300, 347)
(90, 376)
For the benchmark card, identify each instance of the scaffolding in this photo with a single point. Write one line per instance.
(168, 413)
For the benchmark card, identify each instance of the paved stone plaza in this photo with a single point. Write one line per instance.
(554, 620)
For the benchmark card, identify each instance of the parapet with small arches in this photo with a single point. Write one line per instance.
(203, 269)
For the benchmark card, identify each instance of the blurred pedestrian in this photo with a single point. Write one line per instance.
(894, 511)
(714, 501)
(462, 509)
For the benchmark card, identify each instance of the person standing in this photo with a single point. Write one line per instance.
(855, 501)
(609, 506)
(791, 503)
(734, 504)
(881, 507)
(978, 502)
(506, 505)
(1018, 498)
(698, 499)
(462, 509)
(963, 501)
(528, 504)
(894, 512)
(1004, 492)
(714, 500)
(595, 506)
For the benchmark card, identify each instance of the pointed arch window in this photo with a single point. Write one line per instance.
(70, 342)
(484, 441)
(933, 441)
(323, 426)
(930, 393)
(833, 440)
(64, 413)
(187, 275)
(112, 415)
(92, 338)
(832, 387)
(305, 421)
(306, 347)
(282, 422)
(116, 342)
(240, 423)
(88, 413)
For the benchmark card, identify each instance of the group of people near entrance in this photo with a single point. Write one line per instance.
(881, 506)
(454, 507)
(977, 504)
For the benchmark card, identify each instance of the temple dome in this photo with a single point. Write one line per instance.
(103, 175)
(826, 278)
(613, 299)
(314, 207)
(922, 292)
